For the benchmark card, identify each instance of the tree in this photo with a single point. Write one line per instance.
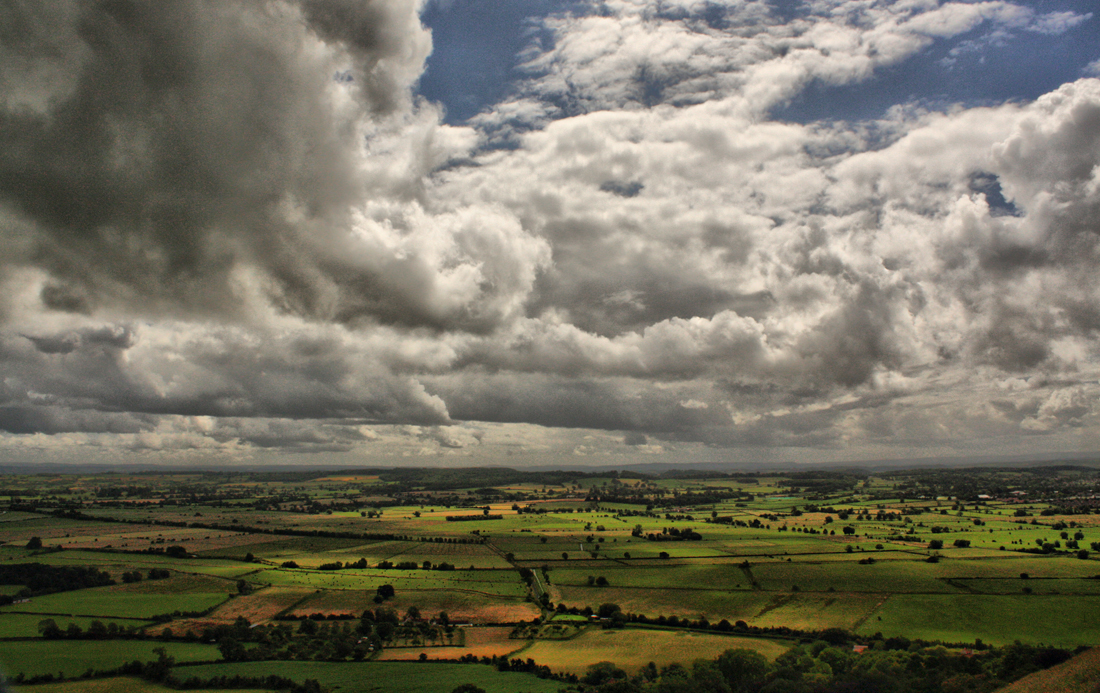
(35, 543)
(743, 669)
(231, 650)
(386, 591)
(159, 670)
(935, 544)
(48, 628)
(468, 688)
(849, 530)
(606, 610)
(601, 672)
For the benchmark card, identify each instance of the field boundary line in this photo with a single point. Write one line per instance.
(776, 603)
(867, 617)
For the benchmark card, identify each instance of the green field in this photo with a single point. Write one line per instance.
(1062, 621)
(107, 602)
(119, 685)
(384, 677)
(73, 658)
(26, 625)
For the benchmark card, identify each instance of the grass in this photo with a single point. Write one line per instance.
(1079, 675)
(850, 576)
(631, 649)
(384, 677)
(105, 602)
(505, 583)
(817, 611)
(1061, 621)
(714, 604)
(26, 625)
(74, 657)
(460, 606)
(481, 642)
(120, 684)
(725, 576)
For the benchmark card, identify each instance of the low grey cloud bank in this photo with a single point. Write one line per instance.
(231, 228)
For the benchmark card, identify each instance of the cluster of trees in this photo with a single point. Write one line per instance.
(38, 579)
(503, 663)
(154, 574)
(667, 534)
(730, 520)
(382, 565)
(833, 666)
(97, 630)
(413, 565)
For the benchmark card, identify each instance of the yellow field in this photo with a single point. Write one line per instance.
(461, 606)
(633, 649)
(480, 642)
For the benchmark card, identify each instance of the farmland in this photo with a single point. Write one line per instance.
(384, 576)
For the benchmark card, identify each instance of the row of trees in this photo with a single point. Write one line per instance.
(38, 578)
(833, 667)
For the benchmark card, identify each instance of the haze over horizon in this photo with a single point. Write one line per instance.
(431, 232)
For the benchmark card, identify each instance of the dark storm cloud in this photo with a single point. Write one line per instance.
(35, 418)
(291, 435)
(615, 404)
(226, 374)
(155, 147)
(107, 337)
(634, 438)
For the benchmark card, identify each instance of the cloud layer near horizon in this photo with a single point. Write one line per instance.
(232, 228)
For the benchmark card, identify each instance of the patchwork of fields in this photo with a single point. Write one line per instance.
(752, 562)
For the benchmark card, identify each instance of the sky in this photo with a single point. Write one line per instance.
(538, 232)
